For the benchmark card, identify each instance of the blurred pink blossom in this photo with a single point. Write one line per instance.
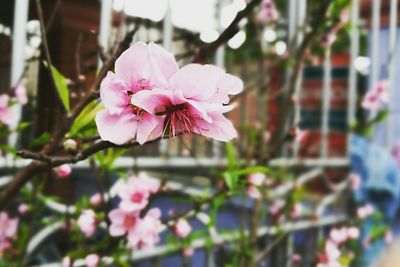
(188, 252)
(145, 233)
(256, 178)
(182, 228)
(276, 207)
(63, 170)
(375, 98)
(122, 222)
(66, 262)
(353, 233)
(96, 200)
(134, 195)
(8, 230)
(253, 192)
(388, 237)
(338, 235)
(87, 222)
(7, 116)
(20, 94)
(297, 211)
(23, 208)
(92, 260)
(268, 12)
(355, 181)
(365, 211)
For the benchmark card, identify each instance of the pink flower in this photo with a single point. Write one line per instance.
(63, 170)
(182, 228)
(296, 211)
(194, 102)
(87, 222)
(355, 181)
(7, 116)
(188, 252)
(276, 207)
(96, 200)
(328, 39)
(140, 68)
(256, 179)
(388, 237)
(253, 192)
(268, 12)
(66, 262)
(23, 208)
(20, 94)
(338, 236)
(122, 222)
(145, 233)
(353, 233)
(296, 257)
(376, 97)
(365, 211)
(8, 230)
(332, 252)
(134, 195)
(92, 260)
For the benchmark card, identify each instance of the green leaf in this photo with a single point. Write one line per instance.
(41, 140)
(85, 117)
(231, 179)
(61, 85)
(230, 156)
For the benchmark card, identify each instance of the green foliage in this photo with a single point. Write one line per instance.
(41, 140)
(85, 118)
(61, 86)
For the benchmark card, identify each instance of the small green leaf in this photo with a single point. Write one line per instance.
(41, 140)
(231, 179)
(85, 117)
(230, 156)
(61, 85)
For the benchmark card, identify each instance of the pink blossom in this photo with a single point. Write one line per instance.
(122, 222)
(276, 207)
(338, 235)
(296, 211)
(145, 233)
(355, 181)
(87, 222)
(96, 200)
(188, 252)
(134, 195)
(92, 260)
(66, 262)
(388, 237)
(375, 98)
(332, 253)
(253, 192)
(365, 211)
(7, 116)
(268, 12)
(140, 68)
(23, 208)
(20, 94)
(328, 39)
(396, 153)
(182, 228)
(194, 102)
(256, 179)
(63, 170)
(296, 257)
(8, 230)
(353, 233)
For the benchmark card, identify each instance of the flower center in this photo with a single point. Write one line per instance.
(129, 221)
(179, 119)
(137, 197)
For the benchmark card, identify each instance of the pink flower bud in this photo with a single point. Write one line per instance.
(96, 200)
(92, 260)
(63, 170)
(182, 228)
(23, 208)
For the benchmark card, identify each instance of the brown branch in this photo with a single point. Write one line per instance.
(204, 52)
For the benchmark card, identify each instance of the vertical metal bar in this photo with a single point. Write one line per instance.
(301, 8)
(18, 57)
(326, 97)
(105, 25)
(167, 44)
(292, 18)
(354, 51)
(376, 6)
(391, 71)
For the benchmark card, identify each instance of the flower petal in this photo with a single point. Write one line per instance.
(114, 94)
(196, 81)
(133, 64)
(227, 85)
(220, 129)
(116, 230)
(162, 65)
(117, 129)
(147, 126)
